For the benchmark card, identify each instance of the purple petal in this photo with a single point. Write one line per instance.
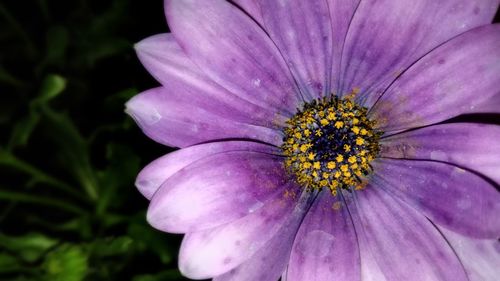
(481, 258)
(471, 146)
(491, 105)
(154, 174)
(370, 270)
(387, 36)
(213, 252)
(270, 261)
(302, 30)
(233, 51)
(451, 80)
(169, 118)
(251, 8)
(341, 14)
(326, 247)
(267, 264)
(404, 243)
(446, 194)
(166, 61)
(215, 190)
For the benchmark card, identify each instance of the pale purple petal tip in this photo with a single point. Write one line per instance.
(213, 252)
(157, 172)
(167, 117)
(216, 190)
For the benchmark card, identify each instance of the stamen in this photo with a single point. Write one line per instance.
(330, 144)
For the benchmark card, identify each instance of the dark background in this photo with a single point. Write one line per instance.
(69, 155)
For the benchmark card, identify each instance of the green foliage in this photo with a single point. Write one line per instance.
(69, 155)
(66, 263)
(30, 247)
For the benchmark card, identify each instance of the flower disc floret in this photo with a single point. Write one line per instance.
(330, 143)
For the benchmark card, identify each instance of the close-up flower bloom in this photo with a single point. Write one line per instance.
(319, 140)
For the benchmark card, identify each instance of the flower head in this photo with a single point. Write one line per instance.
(315, 138)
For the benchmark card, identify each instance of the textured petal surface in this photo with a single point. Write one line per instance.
(171, 119)
(404, 243)
(154, 174)
(341, 14)
(251, 7)
(270, 261)
(452, 80)
(233, 51)
(326, 246)
(302, 30)
(166, 61)
(267, 264)
(216, 190)
(446, 194)
(213, 252)
(370, 270)
(481, 258)
(471, 146)
(387, 36)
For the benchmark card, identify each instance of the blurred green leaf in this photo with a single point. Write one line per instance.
(62, 127)
(106, 48)
(8, 263)
(30, 247)
(57, 40)
(13, 21)
(52, 86)
(121, 171)
(8, 159)
(152, 240)
(22, 131)
(73, 148)
(113, 246)
(7, 78)
(40, 200)
(81, 225)
(66, 263)
(122, 96)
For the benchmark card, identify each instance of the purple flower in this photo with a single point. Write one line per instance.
(315, 141)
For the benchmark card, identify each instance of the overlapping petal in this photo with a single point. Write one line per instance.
(448, 195)
(341, 14)
(239, 69)
(171, 118)
(166, 61)
(213, 252)
(267, 264)
(302, 30)
(270, 261)
(451, 80)
(155, 173)
(404, 243)
(471, 146)
(387, 36)
(251, 7)
(326, 246)
(217, 189)
(479, 257)
(231, 49)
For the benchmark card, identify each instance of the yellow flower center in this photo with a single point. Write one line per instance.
(330, 144)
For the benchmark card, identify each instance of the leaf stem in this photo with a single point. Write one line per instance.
(10, 160)
(11, 20)
(25, 198)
